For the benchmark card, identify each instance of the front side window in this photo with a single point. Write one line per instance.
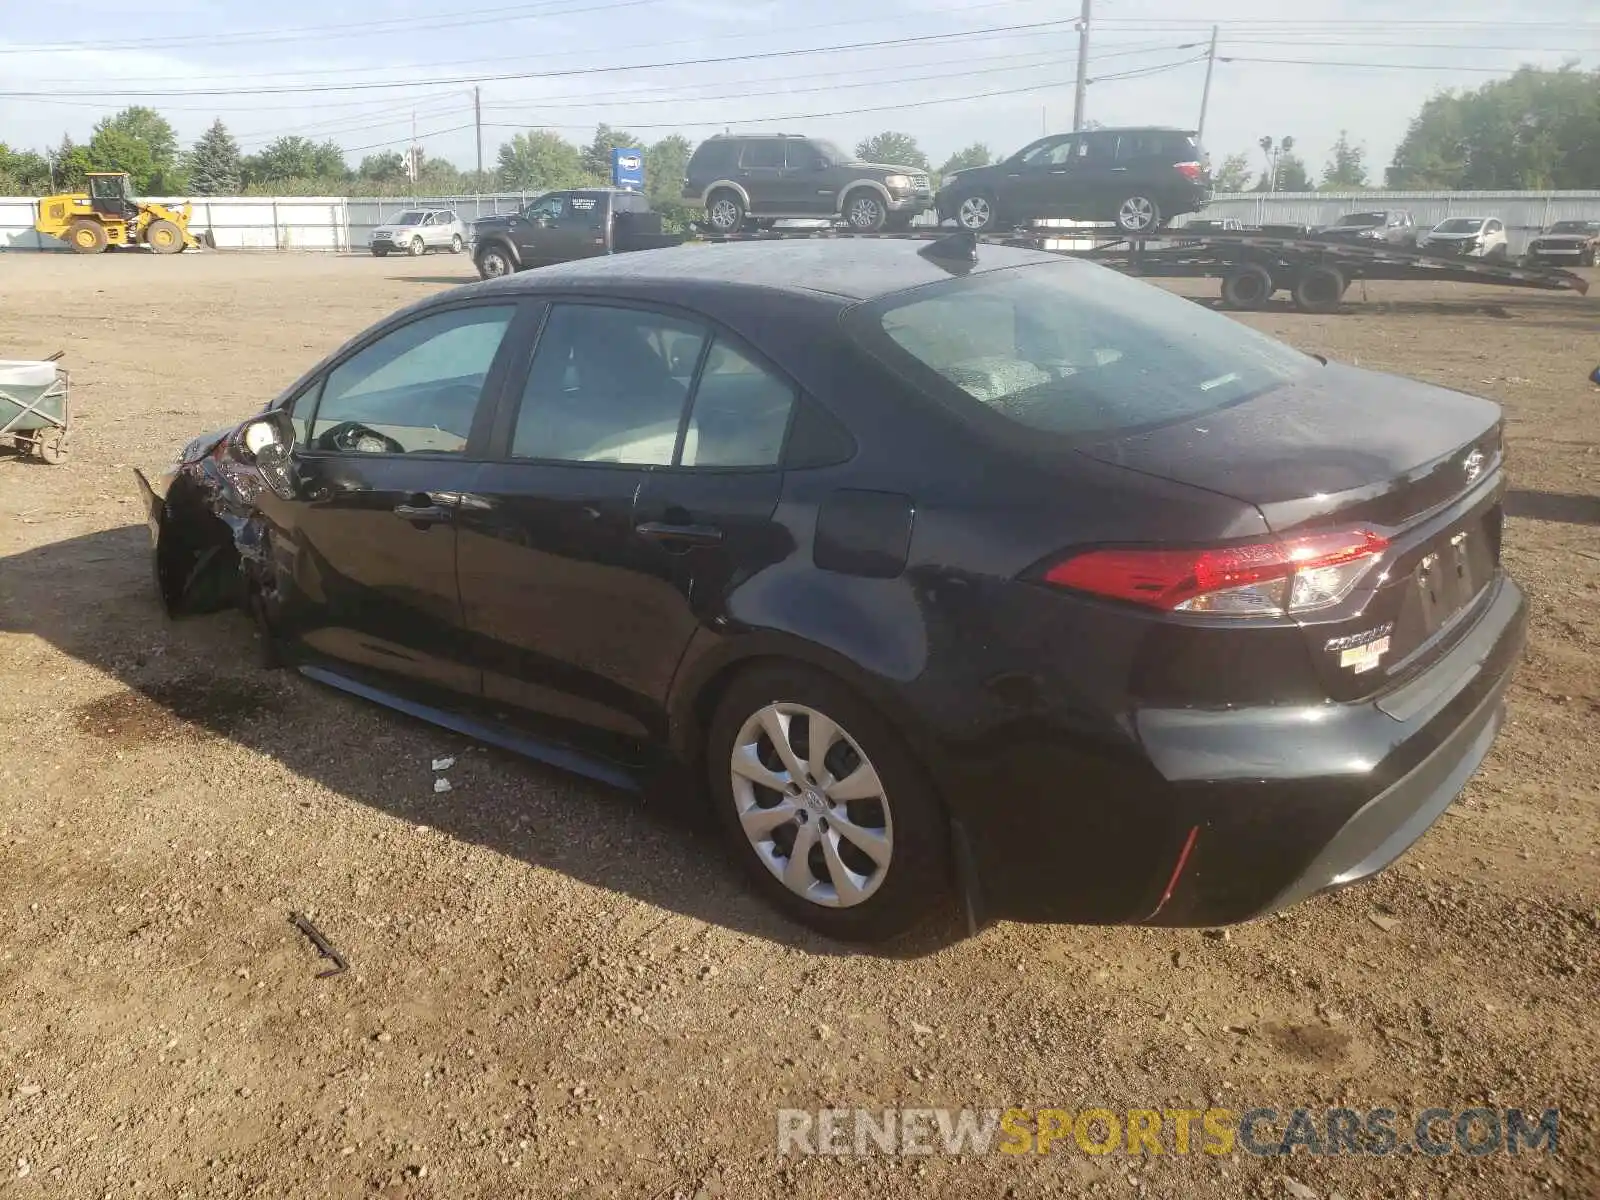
(1071, 349)
(1042, 151)
(415, 389)
(607, 385)
(549, 206)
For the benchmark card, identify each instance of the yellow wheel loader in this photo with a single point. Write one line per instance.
(105, 216)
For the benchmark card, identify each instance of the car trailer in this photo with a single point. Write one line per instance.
(1252, 265)
(35, 406)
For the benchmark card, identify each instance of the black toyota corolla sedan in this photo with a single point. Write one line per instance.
(1010, 580)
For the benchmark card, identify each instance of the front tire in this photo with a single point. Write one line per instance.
(163, 236)
(380, 254)
(865, 212)
(1138, 214)
(977, 213)
(455, 244)
(847, 838)
(416, 249)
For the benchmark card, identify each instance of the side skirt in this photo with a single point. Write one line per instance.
(554, 754)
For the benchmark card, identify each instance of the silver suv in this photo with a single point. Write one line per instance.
(418, 230)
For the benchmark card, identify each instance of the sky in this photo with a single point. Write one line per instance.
(999, 72)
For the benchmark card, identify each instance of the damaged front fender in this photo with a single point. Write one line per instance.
(212, 544)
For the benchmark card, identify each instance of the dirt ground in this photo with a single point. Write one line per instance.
(558, 992)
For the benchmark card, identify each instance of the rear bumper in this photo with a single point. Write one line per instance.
(1225, 816)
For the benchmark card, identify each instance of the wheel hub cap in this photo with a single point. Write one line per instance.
(812, 805)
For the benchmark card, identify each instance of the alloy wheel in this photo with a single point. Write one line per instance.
(812, 805)
(866, 212)
(724, 215)
(975, 213)
(1136, 214)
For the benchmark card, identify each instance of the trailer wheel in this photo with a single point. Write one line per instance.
(1247, 287)
(86, 236)
(1319, 289)
(52, 446)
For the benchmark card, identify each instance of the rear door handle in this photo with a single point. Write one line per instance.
(680, 535)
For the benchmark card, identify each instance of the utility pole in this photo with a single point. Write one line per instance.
(477, 120)
(1083, 67)
(1205, 94)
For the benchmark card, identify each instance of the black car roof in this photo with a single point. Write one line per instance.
(848, 268)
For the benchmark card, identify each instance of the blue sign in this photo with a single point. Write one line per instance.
(627, 169)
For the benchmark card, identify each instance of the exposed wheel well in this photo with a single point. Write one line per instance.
(197, 562)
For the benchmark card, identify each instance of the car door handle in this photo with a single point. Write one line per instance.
(425, 513)
(680, 535)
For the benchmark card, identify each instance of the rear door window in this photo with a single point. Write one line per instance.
(767, 153)
(1070, 349)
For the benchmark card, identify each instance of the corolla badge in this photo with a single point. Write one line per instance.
(1473, 465)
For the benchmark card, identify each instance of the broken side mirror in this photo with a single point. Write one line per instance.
(266, 442)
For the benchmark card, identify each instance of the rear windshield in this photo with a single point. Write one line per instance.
(1072, 349)
(1459, 225)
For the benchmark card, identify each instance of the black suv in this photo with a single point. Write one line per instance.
(1138, 178)
(775, 176)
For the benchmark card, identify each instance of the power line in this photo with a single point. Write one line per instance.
(364, 29)
(1379, 66)
(606, 70)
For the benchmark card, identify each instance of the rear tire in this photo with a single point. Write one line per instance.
(725, 212)
(86, 236)
(867, 781)
(1138, 214)
(1319, 289)
(380, 254)
(494, 261)
(1247, 287)
(163, 236)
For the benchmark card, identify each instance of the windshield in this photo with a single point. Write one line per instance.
(410, 217)
(1072, 349)
(1459, 225)
(1575, 227)
(1363, 220)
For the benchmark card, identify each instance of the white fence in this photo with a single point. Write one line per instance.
(336, 223)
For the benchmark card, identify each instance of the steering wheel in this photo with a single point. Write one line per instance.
(354, 437)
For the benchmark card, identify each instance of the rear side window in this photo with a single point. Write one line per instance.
(714, 157)
(766, 153)
(1071, 349)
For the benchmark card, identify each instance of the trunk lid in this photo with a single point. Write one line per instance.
(1420, 464)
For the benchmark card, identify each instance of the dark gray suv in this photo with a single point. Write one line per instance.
(771, 177)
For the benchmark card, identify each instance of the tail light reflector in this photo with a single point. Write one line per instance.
(1189, 170)
(1295, 575)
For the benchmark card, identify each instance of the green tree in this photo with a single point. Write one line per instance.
(72, 166)
(539, 160)
(975, 155)
(1535, 129)
(387, 167)
(597, 154)
(1292, 175)
(1233, 175)
(214, 168)
(298, 158)
(893, 150)
(1346, 169)
(142, 142)
(23, 172)
(665, 164)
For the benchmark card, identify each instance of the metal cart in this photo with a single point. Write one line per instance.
(35, 406)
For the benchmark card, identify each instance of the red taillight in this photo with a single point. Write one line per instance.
(1189, 170)
(1260, 579)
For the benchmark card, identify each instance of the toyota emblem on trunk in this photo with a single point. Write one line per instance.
(1473, 465)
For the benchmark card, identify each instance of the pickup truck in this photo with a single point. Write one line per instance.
(566, 225)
